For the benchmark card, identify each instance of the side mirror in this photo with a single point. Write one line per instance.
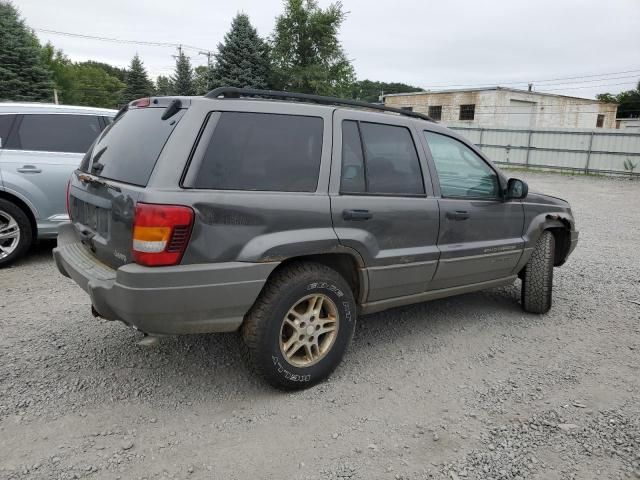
(516, 189)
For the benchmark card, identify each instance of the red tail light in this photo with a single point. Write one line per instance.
(141, 102)
(68, 199)
(161, 233)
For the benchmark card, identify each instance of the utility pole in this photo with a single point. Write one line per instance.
(209, 65)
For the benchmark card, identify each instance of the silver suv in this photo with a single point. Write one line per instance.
(40, 145)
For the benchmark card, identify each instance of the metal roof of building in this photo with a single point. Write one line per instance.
(487, 89)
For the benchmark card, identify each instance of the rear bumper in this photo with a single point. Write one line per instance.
(182, 299)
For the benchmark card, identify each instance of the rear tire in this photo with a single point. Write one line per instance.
(16, 234)
(300, 326)
(537, 277)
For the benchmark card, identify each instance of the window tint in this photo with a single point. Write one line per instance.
(56, 133)
(129, 147)
(353, 174)
(461, 172)
(5, 126)
(391, 159)
(262, 151)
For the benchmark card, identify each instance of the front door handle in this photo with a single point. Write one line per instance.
(356, 215)
(457, 215)
(29, 169)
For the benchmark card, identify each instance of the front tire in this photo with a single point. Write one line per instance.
(300, 326)
(16, 234)
(537, 278)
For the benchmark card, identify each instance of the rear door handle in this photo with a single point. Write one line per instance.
(356, 215)
(457, 215)
(29, 169)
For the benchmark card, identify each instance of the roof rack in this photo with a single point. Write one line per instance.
(233, 92)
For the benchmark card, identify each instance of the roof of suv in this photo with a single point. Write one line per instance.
(15, 107)
(293, 97)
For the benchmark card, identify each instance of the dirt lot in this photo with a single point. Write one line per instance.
(468, 387)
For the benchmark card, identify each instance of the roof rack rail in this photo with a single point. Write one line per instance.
(234, 92)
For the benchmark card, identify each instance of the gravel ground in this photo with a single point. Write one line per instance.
(469, 387)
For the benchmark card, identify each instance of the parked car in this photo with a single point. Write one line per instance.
(40, 145)
(287, 219)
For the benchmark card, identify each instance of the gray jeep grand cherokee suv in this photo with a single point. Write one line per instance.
(287, 215)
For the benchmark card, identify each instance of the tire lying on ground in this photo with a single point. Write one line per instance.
(300, 326)
(16, 234)
(537, 278)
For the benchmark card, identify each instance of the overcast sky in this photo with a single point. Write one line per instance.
(431, 44)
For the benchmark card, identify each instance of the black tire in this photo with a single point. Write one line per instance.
(537, 278)
(262, 329)
(9, 209)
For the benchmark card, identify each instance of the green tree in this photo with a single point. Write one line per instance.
(182, 80)
(137, 82)
(94, 87)
(23, 74)
(307, 55)
(242, 59)
(119, 73)
(62, 69)
(204, 79)
(628, 102)
(164, 87)
(370, 91)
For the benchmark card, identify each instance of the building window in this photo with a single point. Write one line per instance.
(408, 109)
(600, 121)
(435, 112)
(467, 112)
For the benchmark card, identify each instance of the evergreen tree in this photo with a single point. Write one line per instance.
(204, 79)
(23, 74)
(137, 81)
(306, 52)
(182, 80)
(243, 59)
(164, 87)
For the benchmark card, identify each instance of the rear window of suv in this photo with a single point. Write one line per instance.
(128, 148)
(260, 151)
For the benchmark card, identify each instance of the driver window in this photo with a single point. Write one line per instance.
(461, 172)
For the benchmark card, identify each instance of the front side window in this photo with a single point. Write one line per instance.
(461, 172)
(262, 151)
(56, 133)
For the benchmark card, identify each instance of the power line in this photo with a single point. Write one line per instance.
(524, 82)
(120, 40)
(589, 86)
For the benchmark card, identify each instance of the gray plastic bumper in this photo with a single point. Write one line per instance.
(199, 298)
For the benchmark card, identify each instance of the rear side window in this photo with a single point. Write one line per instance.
(261, 151)
(5, 127)
(55, 133)
(388, 165)
(128, 149)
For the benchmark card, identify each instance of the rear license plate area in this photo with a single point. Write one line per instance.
(91, 216)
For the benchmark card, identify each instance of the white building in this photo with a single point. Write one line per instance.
(499, 107)
(633, 124)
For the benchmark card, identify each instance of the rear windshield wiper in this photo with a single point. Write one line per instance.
(84, 178)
